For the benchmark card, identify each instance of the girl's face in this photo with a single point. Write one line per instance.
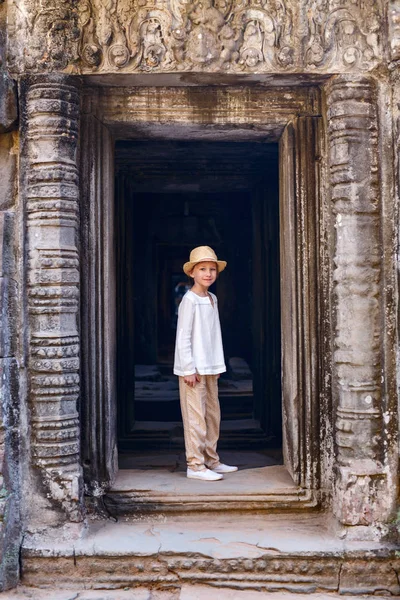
(205, 273)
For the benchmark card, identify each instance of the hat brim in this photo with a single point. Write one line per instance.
(189, 266)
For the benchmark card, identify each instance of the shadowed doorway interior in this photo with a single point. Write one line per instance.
(170, 197)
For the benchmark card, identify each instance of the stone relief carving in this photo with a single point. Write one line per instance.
(203, 35)
(353, 158)
(394, 29)
(53, 33)
(343, 34)
(53, 292)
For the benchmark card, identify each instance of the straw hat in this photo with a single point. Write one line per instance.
(202, 254)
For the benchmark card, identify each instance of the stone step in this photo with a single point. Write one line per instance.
(186, 592)
(157, 406)
(263, 553)
(158, 399)
(237, 434)
(166, 490)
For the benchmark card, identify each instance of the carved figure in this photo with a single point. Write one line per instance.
(285, 56)
(224, 7)
(153, 47)
(315, 53)
(203, 45)
(178, 41)
(104, 28)
(267, 39)
(178, 11)
(90, 51)
(55, 35)
(118, 55)
(91, 55)
(85, 13)
(229, 41)
(251, 51)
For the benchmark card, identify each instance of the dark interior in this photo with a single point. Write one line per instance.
(170, 197)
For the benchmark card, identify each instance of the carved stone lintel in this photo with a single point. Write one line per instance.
(234, 36)
(353, 153)
(52, 112)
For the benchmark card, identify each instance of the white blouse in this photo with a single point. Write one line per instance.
(198, 347)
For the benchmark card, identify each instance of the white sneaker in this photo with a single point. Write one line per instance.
(221, 468)
(205, 475)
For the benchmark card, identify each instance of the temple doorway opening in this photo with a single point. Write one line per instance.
(170, 197)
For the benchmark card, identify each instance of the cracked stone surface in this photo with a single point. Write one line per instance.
(187, 592)
(254, 481)
(298, 553)
(221, 538)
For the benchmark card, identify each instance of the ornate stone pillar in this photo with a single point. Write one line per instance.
(361, 491)
(51, 121)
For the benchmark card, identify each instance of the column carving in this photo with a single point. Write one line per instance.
(52, 119)
(360, 494)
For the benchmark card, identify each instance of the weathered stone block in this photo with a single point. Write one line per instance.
(10, 530)
(8, 316)
(7, 256)
(8, 103)
(8, 165)
(8, 286)
(9, 400)
(374, 577)
(2, 507)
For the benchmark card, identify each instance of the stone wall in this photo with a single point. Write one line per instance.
(10, 528)
(394, 33)
(224, 41)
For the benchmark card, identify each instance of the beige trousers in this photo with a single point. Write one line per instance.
(201, 420)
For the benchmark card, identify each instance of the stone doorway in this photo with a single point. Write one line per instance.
(291, 121)
(170, 197)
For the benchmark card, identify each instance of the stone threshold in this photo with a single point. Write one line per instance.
(161, 490)
(271, 553)
(186, 592)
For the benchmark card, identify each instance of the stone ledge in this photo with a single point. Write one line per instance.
(272, 553)
(186, 592)
(159, 490)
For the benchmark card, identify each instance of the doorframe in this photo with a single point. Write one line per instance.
(123, 113)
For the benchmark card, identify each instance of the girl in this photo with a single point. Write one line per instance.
(199, 361)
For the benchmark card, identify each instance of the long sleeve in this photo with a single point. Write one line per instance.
(184, 349)
(198, 347)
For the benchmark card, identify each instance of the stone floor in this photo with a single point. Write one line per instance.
(226, 536)
(187, 592)
(174, 461)
(254, 481)
(156, 482)
(165, 472)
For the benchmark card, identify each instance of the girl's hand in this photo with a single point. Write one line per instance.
(191, 380)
